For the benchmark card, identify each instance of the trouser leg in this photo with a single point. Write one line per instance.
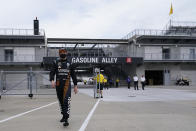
(64, 103)
(66, 107)
(134, 85)
(143, 85)
(137, 85)
(59, 92)
(128, 85)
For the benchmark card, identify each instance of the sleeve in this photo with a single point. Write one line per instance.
(73, 75)
(103, 78)
(53, 71)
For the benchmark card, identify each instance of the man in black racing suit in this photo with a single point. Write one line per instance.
(63, 69)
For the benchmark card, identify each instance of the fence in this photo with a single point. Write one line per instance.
(25, 83)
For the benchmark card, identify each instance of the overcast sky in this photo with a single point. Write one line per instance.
(93, 18)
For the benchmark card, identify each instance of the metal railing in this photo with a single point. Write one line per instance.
(82, 54)
(188, 26)
(168, 56)
(21, 58)
(25, 83)
(151, 32)
(20, 32)
(180, 24)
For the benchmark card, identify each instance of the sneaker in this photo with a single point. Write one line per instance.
(66, 123)
(62, 119)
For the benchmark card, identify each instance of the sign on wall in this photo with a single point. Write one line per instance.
(95, 60)
(98, 60)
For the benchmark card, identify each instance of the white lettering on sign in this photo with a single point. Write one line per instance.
(84, 60)
(94, 60)
(109, 60)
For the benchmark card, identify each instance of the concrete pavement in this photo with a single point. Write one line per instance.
(154, 109)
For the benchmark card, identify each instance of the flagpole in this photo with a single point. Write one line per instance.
(171, 15)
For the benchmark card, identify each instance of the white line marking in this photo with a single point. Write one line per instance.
(12, 117)
(85, 123)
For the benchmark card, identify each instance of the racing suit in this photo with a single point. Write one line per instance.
(62, 68)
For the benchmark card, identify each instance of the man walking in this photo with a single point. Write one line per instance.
(63, 69)
(100, 82)
(128, 81)
(142, 79)
(117, 82)
(135, 79)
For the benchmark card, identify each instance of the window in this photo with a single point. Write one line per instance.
(166, 53)
(192, 54)
(9, 55)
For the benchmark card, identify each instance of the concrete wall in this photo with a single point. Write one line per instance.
(52, 52)
(39, 53)
(24, 54)
(185, 52)
(176, 70)
(175, 53)
(1, 54)
(153, 53)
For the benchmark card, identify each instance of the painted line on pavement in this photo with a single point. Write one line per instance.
(15, 116)
(85, 123)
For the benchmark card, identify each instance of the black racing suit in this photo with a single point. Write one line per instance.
(61, 68)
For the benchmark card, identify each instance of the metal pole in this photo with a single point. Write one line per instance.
(96, 86)
(36, 83)
(1, 87)
(30, 83)
(4, 81)
(96, 89)
(99, 84)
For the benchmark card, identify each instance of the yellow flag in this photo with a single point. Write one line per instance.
(171, 10)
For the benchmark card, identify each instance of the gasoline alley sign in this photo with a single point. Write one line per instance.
(95, 60)
(106, 60)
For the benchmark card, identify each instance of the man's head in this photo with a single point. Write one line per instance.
(62, 53)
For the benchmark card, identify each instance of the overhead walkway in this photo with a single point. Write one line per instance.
(85, 41)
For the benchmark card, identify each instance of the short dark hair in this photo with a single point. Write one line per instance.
(62, 50)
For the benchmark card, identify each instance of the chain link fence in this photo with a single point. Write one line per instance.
(25, 83)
